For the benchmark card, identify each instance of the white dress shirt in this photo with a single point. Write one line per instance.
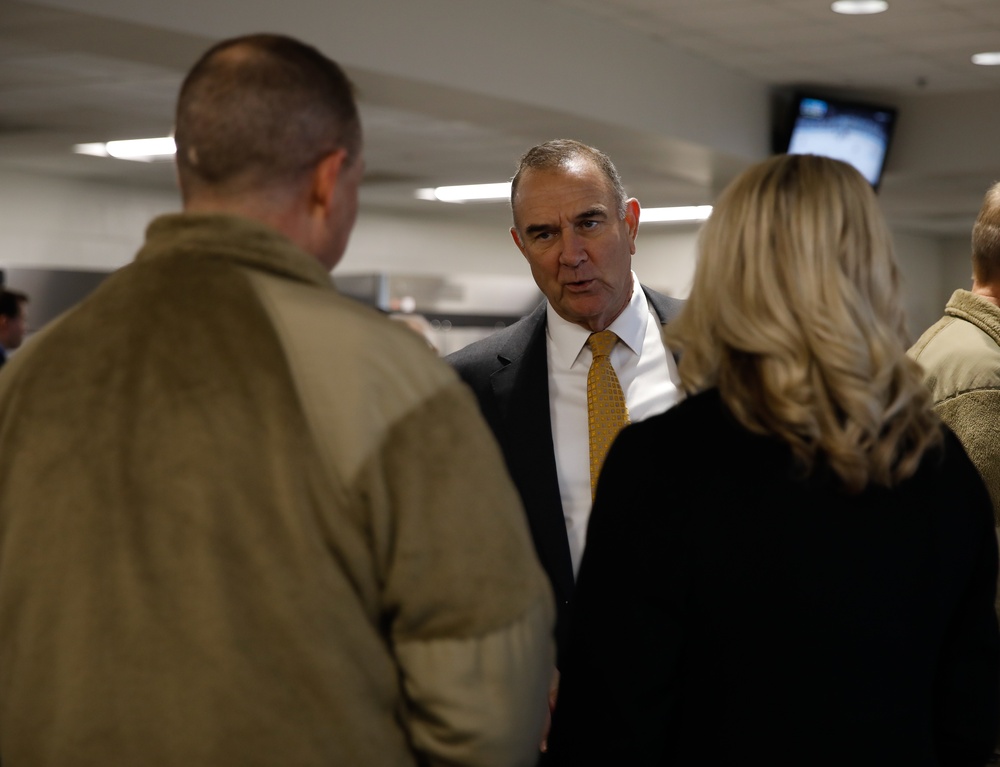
(648, 376)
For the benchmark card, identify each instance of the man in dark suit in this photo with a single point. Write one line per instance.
(577, 230)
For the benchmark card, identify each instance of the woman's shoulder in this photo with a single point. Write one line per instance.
(703, 413)
(694, 407)
(698, 429)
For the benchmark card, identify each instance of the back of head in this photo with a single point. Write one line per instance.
(257, 112)
(986, 240)
(795, 315)
(558, 153)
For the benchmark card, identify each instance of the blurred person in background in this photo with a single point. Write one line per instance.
(13, 321)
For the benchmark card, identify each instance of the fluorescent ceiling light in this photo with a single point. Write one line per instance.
(95, 150)
(859, 7)
(987, 59)
(142, 150)
(466, 193)
(674, 215)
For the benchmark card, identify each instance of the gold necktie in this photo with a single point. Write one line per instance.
(607, 413)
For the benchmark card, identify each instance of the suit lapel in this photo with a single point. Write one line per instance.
(666, 308)
(521, 384)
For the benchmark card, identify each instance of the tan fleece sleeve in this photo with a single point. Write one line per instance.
(975, 419)
(479, 701)
(469, 609)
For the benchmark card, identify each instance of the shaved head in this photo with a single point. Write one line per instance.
(257, 112)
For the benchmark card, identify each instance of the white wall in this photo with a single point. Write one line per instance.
(924, 294)
(52, 222)
(956, 262)
(411, 244)
(60, 223)
(665, 257)
(932, 270)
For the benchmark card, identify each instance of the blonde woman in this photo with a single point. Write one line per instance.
(796, 565)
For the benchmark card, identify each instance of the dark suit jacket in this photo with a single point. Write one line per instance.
(508, 374)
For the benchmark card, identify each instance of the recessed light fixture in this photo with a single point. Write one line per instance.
(987, 58)
(859, 7)
(674, 215)
(141, 150)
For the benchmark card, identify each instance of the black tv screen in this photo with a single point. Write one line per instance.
(856, 133)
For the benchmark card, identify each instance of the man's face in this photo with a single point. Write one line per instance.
(566, 224)
(12, 329)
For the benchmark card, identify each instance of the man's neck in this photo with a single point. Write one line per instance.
(989, 291)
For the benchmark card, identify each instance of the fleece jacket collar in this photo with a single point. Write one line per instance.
(984, 315)
(234, 239)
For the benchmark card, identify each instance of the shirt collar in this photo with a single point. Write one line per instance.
(567, 339)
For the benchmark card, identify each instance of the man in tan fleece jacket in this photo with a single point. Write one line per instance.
(245, 520)
(960, 354)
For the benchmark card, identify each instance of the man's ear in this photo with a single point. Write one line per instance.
(632, 221)
(325, 176)
(517, 240)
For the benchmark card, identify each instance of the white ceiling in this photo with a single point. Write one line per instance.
(917, 45)
(68, 77)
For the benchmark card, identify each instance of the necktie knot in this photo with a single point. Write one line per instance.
(602, 343)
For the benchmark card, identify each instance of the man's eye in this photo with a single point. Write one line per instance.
(588, 224)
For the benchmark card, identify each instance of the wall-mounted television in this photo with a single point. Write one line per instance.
(854, 132)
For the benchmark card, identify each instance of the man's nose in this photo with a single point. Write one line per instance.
(574, 250)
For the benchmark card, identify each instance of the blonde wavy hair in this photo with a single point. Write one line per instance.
(795, 317)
